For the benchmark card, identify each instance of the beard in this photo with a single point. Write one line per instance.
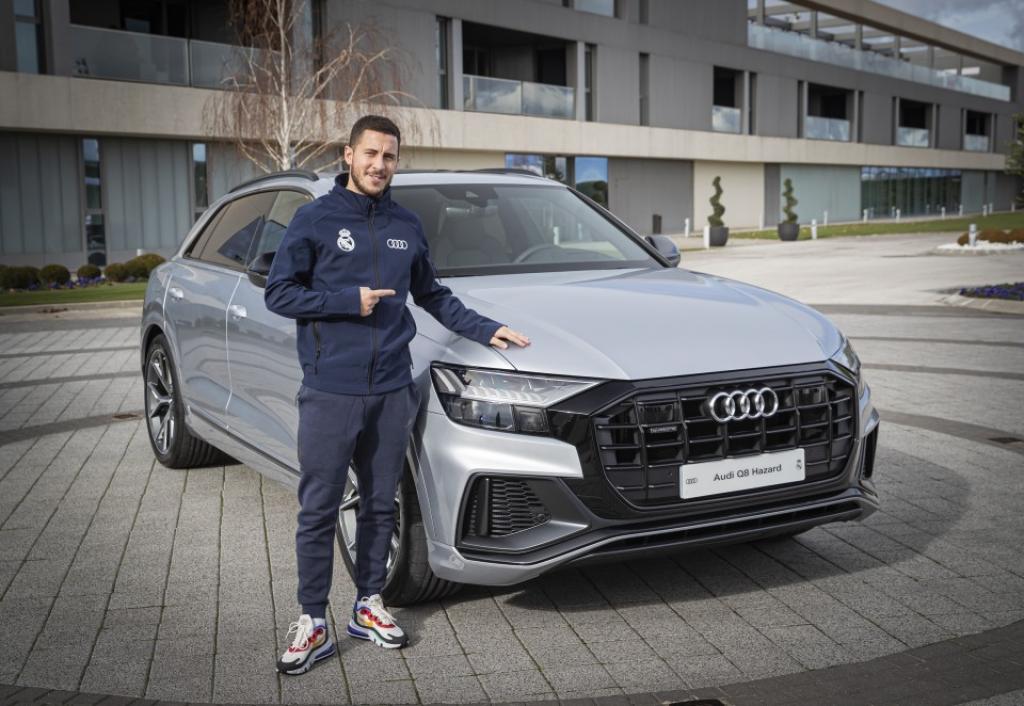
(366, 186)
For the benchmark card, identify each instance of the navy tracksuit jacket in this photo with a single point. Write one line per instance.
(333, 246)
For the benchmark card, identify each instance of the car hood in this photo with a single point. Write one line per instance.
(645, 323)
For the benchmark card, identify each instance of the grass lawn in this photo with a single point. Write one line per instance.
(97, 293)
(1004, 221)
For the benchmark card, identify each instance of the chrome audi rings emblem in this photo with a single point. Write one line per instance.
(396, 244)
(738, 405)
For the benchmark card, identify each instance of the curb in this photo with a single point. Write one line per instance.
(76, 306)
(1003, 306)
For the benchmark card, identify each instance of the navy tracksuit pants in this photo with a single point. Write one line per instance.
(371, 432)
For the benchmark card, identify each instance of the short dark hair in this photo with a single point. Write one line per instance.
(377, 123)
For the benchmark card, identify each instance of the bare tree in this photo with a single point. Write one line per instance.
(288, 95)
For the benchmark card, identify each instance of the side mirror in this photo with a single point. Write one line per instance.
(259, 268)
(667, 247)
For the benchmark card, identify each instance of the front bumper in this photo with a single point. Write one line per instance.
(581, 526)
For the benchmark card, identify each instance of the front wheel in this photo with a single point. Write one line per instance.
(174, 445)
(409, 576)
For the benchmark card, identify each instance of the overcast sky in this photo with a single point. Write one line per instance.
(998, 21)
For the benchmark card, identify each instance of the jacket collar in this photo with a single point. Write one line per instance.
(357, 201)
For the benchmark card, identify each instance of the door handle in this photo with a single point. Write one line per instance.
(176, 293)
(237, 311)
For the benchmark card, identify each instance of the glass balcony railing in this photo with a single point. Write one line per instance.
(214, 65)
(726, 119)
(483, 94)
(912, 136)
(805, 47)
(128, 56)
(818, 128)
(976, 143)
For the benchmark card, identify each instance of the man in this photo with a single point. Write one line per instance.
(343, 271)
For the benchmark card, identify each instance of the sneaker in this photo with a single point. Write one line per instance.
(311, 644)
(371, 621)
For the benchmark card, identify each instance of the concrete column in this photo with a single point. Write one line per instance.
(760, 12)
(8, 53)
(855, 118)
(896, 45)
(814, 23)
(858, 37)
(745, 107)
(57, 35)
(575, 70)
(802, 113)
(931, 57)
(895, 119)
(933, 129)
(959, 64)
(455, 64)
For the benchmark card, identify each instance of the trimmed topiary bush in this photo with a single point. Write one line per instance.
(717, 209)
(55, 274)
(88, 271)
(787, 193)
(140, 266)
(19, 278)
(116, 272)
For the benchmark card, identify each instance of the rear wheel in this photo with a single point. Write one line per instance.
(174, 445)
(409, 576)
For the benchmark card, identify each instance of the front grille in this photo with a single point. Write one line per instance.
(643, 439)
(501, 506)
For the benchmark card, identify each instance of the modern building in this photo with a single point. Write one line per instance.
(640, 103)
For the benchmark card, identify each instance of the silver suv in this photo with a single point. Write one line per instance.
(656, 409)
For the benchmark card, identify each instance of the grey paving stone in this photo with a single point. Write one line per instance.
(515, 686)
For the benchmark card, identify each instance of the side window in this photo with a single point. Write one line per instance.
(281, 213)
(230, 237)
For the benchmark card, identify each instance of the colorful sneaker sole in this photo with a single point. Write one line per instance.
(362, 633)
(322, 652)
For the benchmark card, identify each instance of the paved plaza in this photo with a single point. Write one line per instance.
(119, 576)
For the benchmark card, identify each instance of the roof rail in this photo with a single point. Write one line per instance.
(304, 173)
(508, 170)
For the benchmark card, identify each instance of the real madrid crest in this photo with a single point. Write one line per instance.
(345, 241)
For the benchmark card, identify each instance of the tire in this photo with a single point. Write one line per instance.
(173, 444)
(409, 579)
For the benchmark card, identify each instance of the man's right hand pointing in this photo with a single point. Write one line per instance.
(370, 297)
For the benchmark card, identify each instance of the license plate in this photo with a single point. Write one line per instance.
(729, 475)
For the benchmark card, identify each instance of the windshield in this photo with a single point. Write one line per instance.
(477, 229)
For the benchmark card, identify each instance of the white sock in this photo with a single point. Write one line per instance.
(317, 622)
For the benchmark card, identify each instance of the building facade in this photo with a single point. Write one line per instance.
(640, 104)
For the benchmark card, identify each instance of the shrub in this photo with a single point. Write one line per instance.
(19, 278)
(715, 219)
(116, 272)
(995, 236)
(55, 274)
(88, 271)
(141, 265)
(791, 215)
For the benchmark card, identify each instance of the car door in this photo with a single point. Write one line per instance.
(197, 300)
(265, 372)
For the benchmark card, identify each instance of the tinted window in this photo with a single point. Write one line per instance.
(228, 240)
(492, 229)
(284, 208)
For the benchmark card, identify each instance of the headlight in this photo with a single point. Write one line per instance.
(847, 357)
(495, 399)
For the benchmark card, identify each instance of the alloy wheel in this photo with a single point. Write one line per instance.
(160, 401)
(348, 512)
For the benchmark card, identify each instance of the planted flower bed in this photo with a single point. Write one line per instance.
(1013, 291)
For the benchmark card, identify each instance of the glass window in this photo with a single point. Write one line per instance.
(441, 49)
(477, 229)
(228, 240)
(95, 230)
(588, 81)
(598, 7)
(200, 186)
(592, 178)
(550, 166)
(281, 214)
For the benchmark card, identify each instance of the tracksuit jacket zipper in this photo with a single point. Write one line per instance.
(316, 336)
(373, 324)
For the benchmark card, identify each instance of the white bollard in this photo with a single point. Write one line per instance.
(760, 222)
(1013, 207)
(972, 234)
(865, 215)
(138, 251)
(686, 228)
(707, 237)
(824, 220)
(943, 213)
(897, 214)
(984, 209)
(814, 229)
(961, 211)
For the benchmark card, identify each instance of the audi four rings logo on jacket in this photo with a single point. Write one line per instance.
(340, 242)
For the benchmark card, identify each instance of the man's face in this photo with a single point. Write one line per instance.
(371, 162)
